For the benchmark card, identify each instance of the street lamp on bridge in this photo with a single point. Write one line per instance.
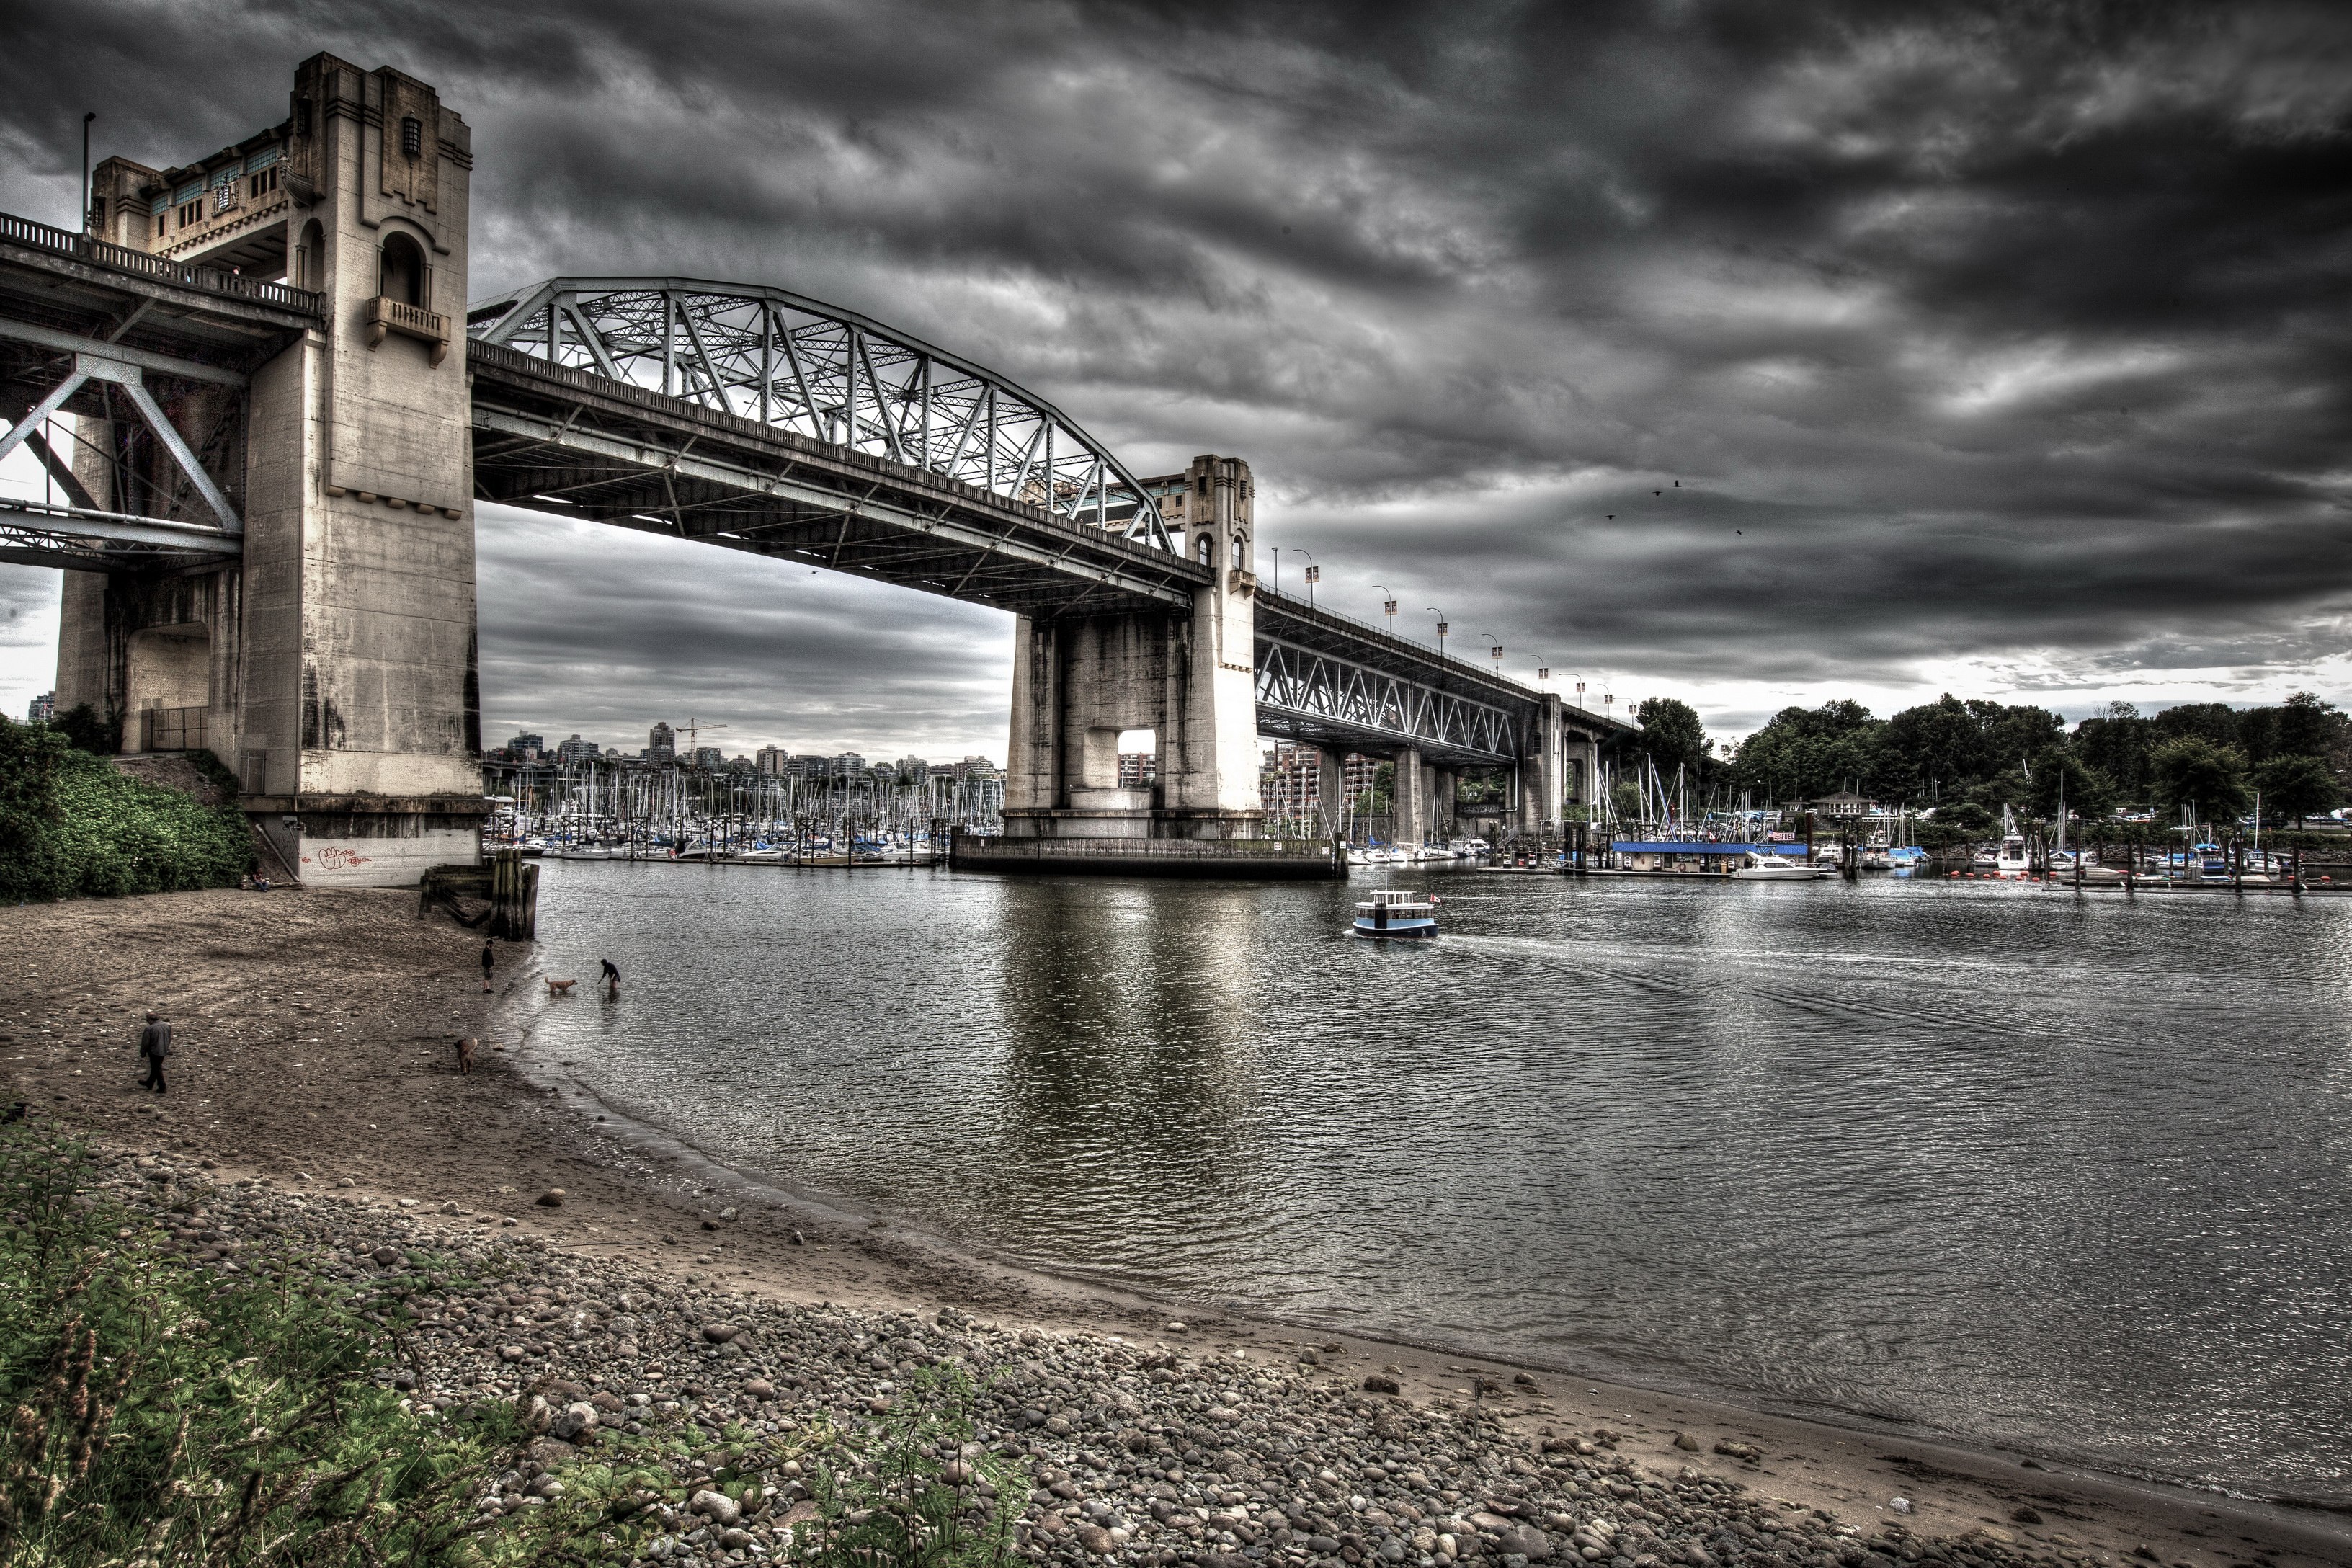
(1314, 574)
(1497, 651)
(1580, 694)
(1441, 629)
(1388, 607)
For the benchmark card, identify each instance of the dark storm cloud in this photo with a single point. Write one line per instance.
(2007, 338)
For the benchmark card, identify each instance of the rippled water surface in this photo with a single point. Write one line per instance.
(2062, 1171)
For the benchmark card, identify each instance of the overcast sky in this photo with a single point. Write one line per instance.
(1998, 348)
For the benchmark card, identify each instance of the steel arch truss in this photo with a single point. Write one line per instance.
(1317, 697)
(829, 375)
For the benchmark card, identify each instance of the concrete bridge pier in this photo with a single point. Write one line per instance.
(1331, 790)
(1541, 780)
(1408, 797)
(332, 665)
(1080, 682)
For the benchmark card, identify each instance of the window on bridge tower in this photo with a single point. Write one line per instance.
(310, 257)
(403, 274)
(1205, 552)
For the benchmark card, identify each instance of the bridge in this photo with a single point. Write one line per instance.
(286, 415)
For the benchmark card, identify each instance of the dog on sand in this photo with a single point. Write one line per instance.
(466, 1055)
(561, 987)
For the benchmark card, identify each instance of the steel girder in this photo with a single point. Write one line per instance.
(577, 443)
(829, 375)
(1320, 697)
(81, 539)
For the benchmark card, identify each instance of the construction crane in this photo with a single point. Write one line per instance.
(694, 730)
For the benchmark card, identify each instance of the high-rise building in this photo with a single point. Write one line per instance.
(44, 708)
(576, 750)
(978, 768)
(849, 766)
(526, 747)
(771, 760)
(709, 757)
(1291, 781)
(913, 770)
(661, 743)
(1137, 770)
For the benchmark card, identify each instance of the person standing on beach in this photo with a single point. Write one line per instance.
(154, 1045)
(612, 979)
(489, 958)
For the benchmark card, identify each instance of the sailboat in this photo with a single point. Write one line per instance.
(2012, 860)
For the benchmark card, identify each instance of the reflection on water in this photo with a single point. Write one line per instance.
(2061, 1170)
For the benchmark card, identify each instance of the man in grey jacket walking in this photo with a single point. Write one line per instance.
(155, 1044)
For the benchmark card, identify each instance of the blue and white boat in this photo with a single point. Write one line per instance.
(1398, 913)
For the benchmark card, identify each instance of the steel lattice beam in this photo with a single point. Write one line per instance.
(830, 376)
(1319, 696)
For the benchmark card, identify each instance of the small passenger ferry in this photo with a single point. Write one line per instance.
(1397, 912)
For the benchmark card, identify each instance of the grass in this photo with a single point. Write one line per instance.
(160, 1413)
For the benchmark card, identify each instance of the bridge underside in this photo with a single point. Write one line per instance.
(569, 442)
(142, 347)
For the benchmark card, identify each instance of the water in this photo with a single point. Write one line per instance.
(2056, 1170)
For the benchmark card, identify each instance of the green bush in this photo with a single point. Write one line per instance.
(71, 826)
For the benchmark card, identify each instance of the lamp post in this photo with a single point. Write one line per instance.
(1580, 694)
(1314, 574)
(1609, 704)
(1388, 607)
(1543, 677)
(86, 206)
(1496, 651)
(1441, 629)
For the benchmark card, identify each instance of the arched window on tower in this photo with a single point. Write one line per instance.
(402, 276)
(1205, 552)
(310, 257)
(1240, 562)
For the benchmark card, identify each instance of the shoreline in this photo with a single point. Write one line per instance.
(257, 982)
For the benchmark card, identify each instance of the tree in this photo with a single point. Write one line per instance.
(1807, 753)
(1968, 817)
(2088, 793)
(2310, 727)
(2117, 742)
(86, 731)
(2216, 723)
(2193, 772)
(1672, 734)
(1932, 751)
(2297, 787)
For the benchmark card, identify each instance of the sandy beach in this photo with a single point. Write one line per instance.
(316, 1032)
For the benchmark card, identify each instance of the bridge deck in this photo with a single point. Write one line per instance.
(571, 442)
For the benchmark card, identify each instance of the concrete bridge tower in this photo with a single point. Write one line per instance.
(334, 666)
(1080, 681)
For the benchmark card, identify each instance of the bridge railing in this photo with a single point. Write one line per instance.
(122, 258)
(1386, 635)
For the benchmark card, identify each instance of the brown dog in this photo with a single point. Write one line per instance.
(466, 1055)
(561, 987)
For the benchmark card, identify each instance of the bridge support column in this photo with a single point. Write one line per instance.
(1331, 789)
(340, 649)
(1444, 786)
(1408, 797)
(1078, 681)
